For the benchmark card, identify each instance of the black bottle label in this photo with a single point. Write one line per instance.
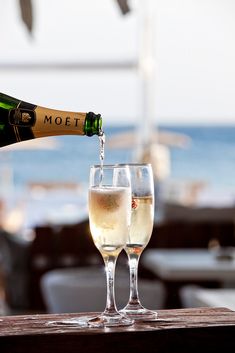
(22, 117)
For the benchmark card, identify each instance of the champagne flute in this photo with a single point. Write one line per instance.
(142, 217)
(109, 216)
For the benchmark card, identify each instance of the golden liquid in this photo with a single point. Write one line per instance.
(141, 224)
(109, 216)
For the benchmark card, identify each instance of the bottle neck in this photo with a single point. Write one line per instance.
(50, 122)
(54, 122)
(20, 121)
(93, 124)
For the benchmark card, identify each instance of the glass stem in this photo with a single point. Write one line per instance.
(133, 264)
(110, 264)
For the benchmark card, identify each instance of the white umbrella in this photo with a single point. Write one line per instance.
(130, 139)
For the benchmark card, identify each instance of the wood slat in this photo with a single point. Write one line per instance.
(179, 330)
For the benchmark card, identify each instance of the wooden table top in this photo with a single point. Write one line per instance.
(181, 330)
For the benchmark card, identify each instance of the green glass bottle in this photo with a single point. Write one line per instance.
(20, 121)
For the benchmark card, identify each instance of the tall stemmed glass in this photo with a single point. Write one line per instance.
(142, 217)
(109, 216)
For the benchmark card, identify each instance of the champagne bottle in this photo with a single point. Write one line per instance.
(20, 121)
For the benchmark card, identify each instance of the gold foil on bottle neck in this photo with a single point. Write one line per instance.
(50, 122)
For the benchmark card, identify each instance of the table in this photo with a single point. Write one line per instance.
(215, 297)
(182, 330)
(184, 266)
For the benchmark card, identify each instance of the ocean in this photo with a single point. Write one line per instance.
(209, 158)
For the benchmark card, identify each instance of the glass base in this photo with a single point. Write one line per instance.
(125, 317)
(103, 320)
(139, 313)
(80, 322)
(111, 320)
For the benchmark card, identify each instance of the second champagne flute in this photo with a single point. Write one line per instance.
(142, 218)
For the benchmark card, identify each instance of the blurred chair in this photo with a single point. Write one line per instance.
(42, 258)
(187, 213)
(75, 247)
(195, 296)
(14, 255)
(187, 295)
(192, 234)
(84, 290)
(58, 247)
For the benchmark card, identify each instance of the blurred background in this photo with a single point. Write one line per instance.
(164, 63)
(162, 75)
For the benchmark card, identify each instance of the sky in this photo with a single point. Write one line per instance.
(194, 56)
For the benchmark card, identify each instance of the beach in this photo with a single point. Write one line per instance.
(209, 159)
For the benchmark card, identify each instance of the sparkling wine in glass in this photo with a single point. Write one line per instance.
(142, 218)
(109, 217)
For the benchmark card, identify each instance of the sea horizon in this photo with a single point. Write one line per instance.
(208, 160)
(210, 157)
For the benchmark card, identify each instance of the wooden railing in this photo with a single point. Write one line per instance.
(181, 330)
